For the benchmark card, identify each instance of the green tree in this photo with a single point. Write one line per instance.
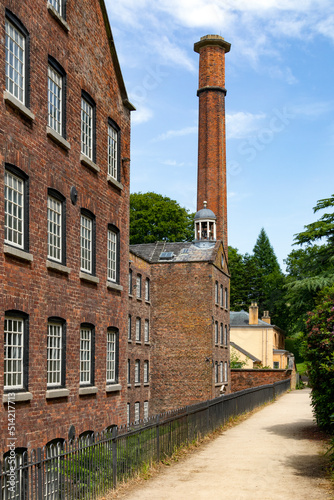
(319, 353)
(264, 254)
(154, 217)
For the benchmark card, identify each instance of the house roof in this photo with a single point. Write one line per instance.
(163, 251)
(246, 353)
(241, 318)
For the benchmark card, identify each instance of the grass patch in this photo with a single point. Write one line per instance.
(302, 368)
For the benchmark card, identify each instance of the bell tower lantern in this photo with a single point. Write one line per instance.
(205, 225)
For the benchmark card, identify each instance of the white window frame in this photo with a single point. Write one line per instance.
(226, 335)
(221, 334)
(147, 331)
(14, 353)
(137, 371)
(129, 327)
(226, 298)
(86, 244)
(147, 289)
(111, 357)
(138, 329)
(87, 128)
(55, 100)
(128, 413)
(112, 256)
(216, 292)
(137, 412)
(130, 281)
(57, 5)
(221, 296)
(138, 288)
(221, 371)
(15, 62)
(54, 354)
(146, 410)
(86, 340)
(216, 332)
(52, 476)
(216, 373)
(146, 372)
(14, 209)
(55, 229)
(225, 372)
(129, 372)
(113, 138)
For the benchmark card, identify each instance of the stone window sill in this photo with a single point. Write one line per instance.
(139, 299)
(19, 396)
(19, 254)
(146, 384)
(58, 18)
(57, 393)
(147, 342)
(137, 384)
(60, 268)
(130, 296)
(138, 342)
(148, 302)
(58, 138)
(89, 163)
(113, 387)
(15, 103)
(88, 277)
(114, 286)
(83, 391)
(114, 182)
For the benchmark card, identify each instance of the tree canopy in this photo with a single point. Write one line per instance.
(154, 217)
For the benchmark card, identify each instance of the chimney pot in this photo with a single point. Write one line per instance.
(253, 314)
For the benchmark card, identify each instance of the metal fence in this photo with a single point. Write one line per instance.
(88, 467)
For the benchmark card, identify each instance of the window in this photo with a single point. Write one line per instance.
(145, 409)
(276, 365)
(129, 372)
(59, 6)
(113, 254)
(17, 59)
(216, 372)
(138, 329)
(88, 126)
(216, 293)
(56, 97)
(56, 362)
(112, 356)
(19, 490)
(147, 289)
(225, 370)
(87, 354)
(128, 413)
(146, 372)
(221, 334)
(16, 351)
(216, 332)
(221, 371)
(147, 331)
(16, 208)
(226, 335)
(56, 227)
(138, 290)
(226, 298)
(53, 465)
(130, 281)
(137, 371)
(129, 326)
(113, 150)
(87, 242)
(137, 412)
(221, 296)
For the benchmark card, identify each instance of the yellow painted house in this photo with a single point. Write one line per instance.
(256, 341)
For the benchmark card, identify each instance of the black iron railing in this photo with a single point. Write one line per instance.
(86, 468)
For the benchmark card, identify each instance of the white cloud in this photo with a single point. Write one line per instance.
(141, 115)
(242, 124)
(313, 109)
(175, 133)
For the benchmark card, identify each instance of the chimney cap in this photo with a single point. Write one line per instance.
(212, 40)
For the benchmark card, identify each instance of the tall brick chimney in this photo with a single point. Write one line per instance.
(211, 176)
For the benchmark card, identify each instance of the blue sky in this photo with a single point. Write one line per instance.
(279, 106)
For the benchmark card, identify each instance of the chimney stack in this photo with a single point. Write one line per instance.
(266, 317)
(253, 314)
(211, 178)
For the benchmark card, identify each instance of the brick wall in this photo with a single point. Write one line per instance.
(244, 379)
(30, 287)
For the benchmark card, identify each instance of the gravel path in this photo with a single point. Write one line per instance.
(275, 454)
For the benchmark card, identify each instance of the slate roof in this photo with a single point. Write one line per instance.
(241, 318)
(246, 353)
(182, 251)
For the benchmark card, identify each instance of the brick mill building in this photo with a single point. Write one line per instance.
(65, 147)
(185, 316)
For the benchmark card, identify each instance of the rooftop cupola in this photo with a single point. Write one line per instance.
(205, 224)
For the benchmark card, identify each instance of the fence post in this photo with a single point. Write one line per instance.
(39, 474)
(158, 438)
(114, 455)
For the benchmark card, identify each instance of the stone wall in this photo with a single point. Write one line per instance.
(244, 379)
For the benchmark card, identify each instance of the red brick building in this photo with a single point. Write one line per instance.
(189, 296)
(65, 147)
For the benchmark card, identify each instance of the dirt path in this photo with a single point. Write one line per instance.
(275, 454)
